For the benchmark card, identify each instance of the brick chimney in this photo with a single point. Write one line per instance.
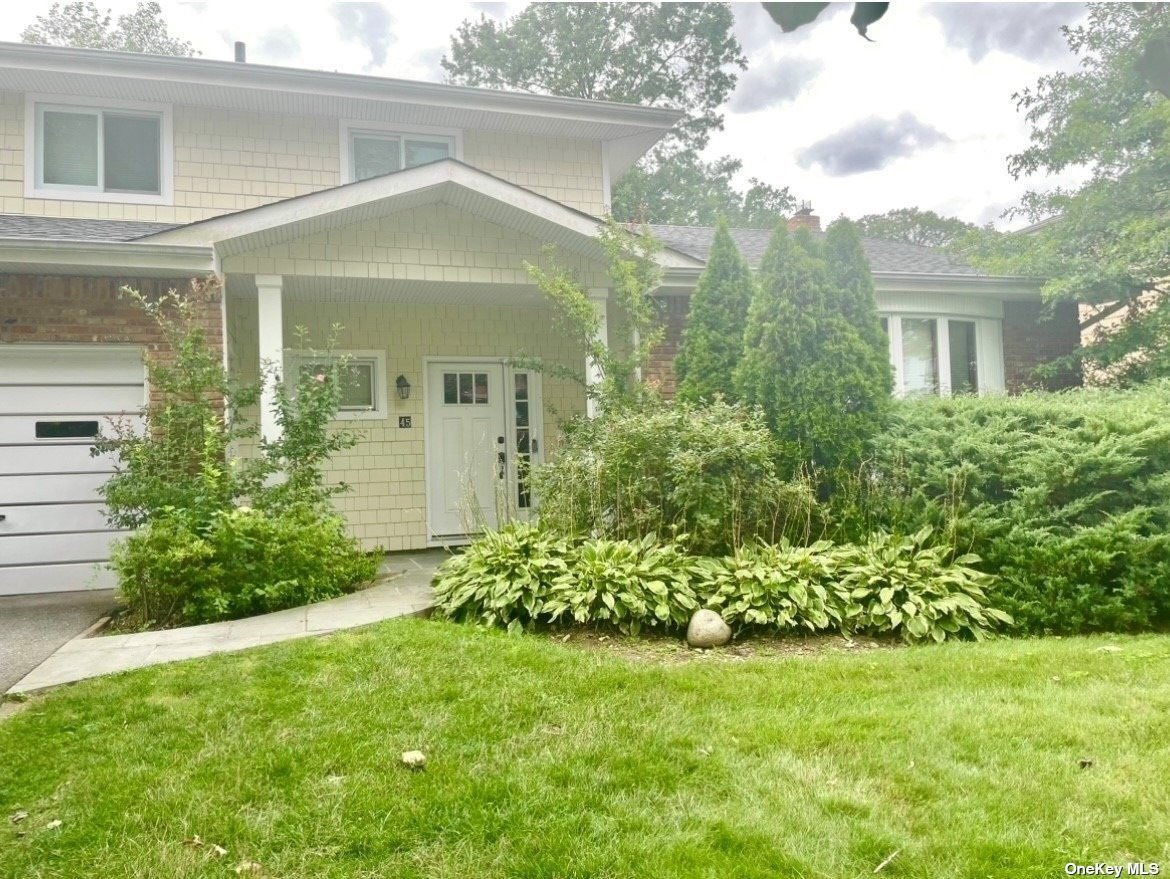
(804, 219)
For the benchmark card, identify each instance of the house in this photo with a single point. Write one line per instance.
(403, 211)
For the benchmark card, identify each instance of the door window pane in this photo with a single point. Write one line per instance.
(132, 153)
(420, 152)
(964, 366)
(920, 355)
(481, 388)
(374, 156)
(70, 148)
(450, 388)
(465, 392)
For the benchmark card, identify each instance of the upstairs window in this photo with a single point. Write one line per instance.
(100, 153)
(372, 153)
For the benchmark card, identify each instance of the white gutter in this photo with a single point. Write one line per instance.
(201, 71)
(131, 256)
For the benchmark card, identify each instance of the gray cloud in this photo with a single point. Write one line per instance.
(768, 85)
(870, 144)
(366, 23)
(1028, 30)
(279, 45)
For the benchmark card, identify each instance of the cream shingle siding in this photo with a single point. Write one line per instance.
(228, 161)
(432, 243)
(386, 506)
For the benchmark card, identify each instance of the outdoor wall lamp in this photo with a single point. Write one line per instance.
(403, 387)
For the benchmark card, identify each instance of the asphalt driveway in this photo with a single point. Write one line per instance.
(32, 627)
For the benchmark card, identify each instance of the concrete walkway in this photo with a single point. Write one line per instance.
(32, 627)
(403, 589)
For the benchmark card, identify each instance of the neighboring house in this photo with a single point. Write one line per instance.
(403, 211)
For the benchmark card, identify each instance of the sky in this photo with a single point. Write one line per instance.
(922, 116)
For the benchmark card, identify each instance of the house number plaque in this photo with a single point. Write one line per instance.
(404, 421)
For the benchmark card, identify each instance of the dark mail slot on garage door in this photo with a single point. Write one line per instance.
(66, 429)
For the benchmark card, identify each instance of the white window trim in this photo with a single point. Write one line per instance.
(348, 126)
(32, 138)
(988, 348)
(294, 359)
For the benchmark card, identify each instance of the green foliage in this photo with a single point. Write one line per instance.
(521, 577)
(712, 341)
(1110, 239)
(242, 563)
(196, 557)
(672, 54)
(624, 583)
(634, 275)
(83, 25)
(1065, 496)
(904, 585)
(673, 469)
(814, 358)
(915, 226)
(682, 189)
(179, 459)
(776, 588)
(503, 578)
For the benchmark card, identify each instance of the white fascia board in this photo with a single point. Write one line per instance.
(64, 256)
(990, 286)
(202, 71)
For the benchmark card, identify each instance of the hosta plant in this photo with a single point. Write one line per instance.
(629, 584)
(503, 578)
(781, 588)
(903, 586)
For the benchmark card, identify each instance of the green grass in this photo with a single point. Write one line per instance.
(548, 761)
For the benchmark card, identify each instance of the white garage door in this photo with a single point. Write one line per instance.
(53, 399)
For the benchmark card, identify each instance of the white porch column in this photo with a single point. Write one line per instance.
(599, 296)
(268, 293)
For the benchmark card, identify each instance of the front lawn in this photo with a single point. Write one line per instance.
(1010, 758)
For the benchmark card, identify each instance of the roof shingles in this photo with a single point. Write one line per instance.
(884, 255)
(77, 229)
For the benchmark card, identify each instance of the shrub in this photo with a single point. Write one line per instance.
(628, 584)
(503, 578)
(673, 469)
(521, 577)
(814, 356)
(712, 341)
(902, 585)
(1066, 497)
(244, 562)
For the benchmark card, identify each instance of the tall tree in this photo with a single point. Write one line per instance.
(1111, 241)
(915, 227)
(712, 343)
(812, 357)
(676, 54)
(84, 26)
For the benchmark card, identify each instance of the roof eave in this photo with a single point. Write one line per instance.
(50, 256)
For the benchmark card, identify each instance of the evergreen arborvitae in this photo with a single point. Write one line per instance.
(712, 342)
(814, 354)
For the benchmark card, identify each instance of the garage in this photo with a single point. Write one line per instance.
(53, 401)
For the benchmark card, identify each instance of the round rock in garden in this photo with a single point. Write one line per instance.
(707, 629)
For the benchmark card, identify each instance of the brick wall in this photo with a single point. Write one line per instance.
(660, 364)
(1032, 335)
(82, 310)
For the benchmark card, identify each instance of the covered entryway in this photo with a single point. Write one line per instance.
(484, 426)
(53, 401)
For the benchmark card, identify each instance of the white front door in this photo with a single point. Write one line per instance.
(467, 446)
(483, 431)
